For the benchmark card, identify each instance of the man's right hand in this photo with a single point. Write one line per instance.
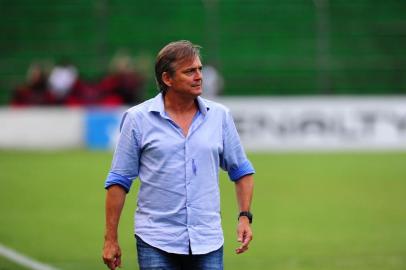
(112, 254)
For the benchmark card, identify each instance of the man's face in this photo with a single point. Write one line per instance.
(187, 79)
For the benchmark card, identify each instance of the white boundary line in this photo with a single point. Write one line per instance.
(23, 260)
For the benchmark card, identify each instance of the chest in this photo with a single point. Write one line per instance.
(183, 121)
(167, 138)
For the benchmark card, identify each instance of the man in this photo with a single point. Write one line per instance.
(175, 143)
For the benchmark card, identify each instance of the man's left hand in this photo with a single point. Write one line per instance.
(244, 234)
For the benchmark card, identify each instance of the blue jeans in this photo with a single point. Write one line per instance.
(151, 258)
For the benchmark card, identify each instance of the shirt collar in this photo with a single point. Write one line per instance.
(157, 105)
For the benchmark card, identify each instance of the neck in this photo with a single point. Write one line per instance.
(179, 103)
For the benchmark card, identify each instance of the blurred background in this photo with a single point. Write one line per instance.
(259, 47)
(317, 90)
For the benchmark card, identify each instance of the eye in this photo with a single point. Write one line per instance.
(189, 72)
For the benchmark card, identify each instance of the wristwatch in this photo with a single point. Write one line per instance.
(245, 214)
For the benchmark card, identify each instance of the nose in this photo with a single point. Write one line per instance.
(198, 74)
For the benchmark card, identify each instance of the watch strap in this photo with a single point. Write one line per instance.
(247, 214)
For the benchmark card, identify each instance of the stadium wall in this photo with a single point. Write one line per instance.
(264, 124)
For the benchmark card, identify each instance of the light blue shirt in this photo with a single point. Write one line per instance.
(179, 200)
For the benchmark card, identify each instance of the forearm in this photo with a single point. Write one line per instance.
(115, 199)
(244, 190)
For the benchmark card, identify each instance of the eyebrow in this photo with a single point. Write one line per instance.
(193, 68)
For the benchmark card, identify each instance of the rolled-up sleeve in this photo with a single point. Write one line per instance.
(233, 159)
(125, 164)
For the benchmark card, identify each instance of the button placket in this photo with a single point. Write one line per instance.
(187, 177)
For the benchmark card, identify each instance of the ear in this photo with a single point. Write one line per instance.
(166, 78)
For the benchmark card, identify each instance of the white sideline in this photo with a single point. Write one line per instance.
(23, 260)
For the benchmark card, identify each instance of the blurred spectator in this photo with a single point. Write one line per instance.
(123, 83)
(70, 89)
(83, 93)
(212, 82)
(35, 91)
(62, 79)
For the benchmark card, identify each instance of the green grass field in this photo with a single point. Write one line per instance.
(342, 211)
